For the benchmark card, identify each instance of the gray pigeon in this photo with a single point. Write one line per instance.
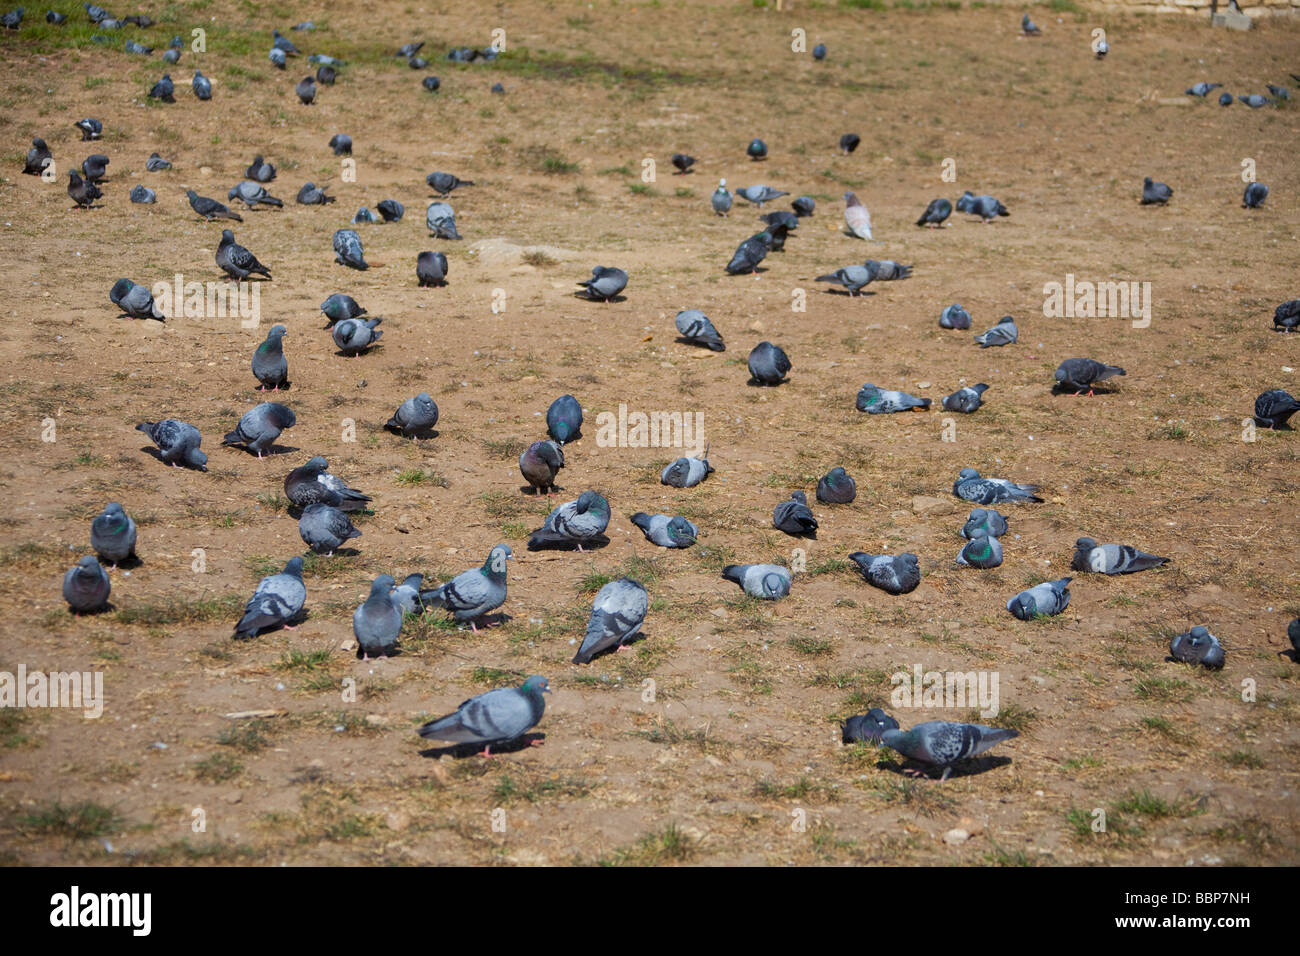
(573, 523)
(1274, 408)
(981, 551)
(868, 727)
(236, 261)
(721, 199)
(173, 56)
(1201, 89)
(444, 183)
(209, 209)
(201, 84)
(942, 743)
(836, 487)
(969, 486)
(1084, 373)
(986, 207)
(540, 463)
(415, 415)
(431, 269)
(341, 143)
(364, 215)
(935, 213)
(38, 157)
(1225, 99)
(803, 206)
(135, 300)
(325, 529)
(313, 484)
(278, 600)
(277, 58)
(665, 531)
(794, 517)
(1004, 333)
(81, 192)
(143, 194)
(156, 164)
(178, 442)
(696, 328)
(259, 170)
(756, 150)
(253, 194)
(853, 278)
(769, 582)
(163, 90)
(348, 251)
(984, 521)
(965, 400)
(686, 472)
(440, 219)
(606, 283)
(886, 270)
(312, 195)
(1255, 101)
(1254, 196)
(495, 718)
(616, 616)
(1042, 600)
(1293, 632)
(749, 254)
(954, 317)
(95, 167)
(260, 426)
(407, 594)
(86, 587)
(270, 367)
(768, 364)
(378, 621)
(354, 336)
(892, 573)
(284, 43)
(113, 534)
(470, 595)
(1029, 27)
(1154, 193)
(1286, 317)
(431, 83)
(759, 194)
(393, 211)
(564, 419)
(339, 307)
(1112, 558)
(875, 400)
(90, 128)
(306, 90)
(1281, 92)
(1197, 646)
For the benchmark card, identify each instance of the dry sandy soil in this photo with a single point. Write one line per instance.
(742, 732)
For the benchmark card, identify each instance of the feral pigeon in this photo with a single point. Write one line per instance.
(284, 43)
(95, 167)
(969, 486)
(260, 171)
(856, 217)
(769, 582)
(444, 183)
(564, 419)
(868, 727)
(1029, 27)
(392, 211)
(794, 517)
(749, 254)
(942, 743)
(853, 278)
(431, 269)
(836, 487)
(135, 300)
(1084, 373)
(1254, 196)
(86, 587)
(236, 261)
(572, 523)
(209, 209)
(819, 52)
(966, 399)
(768, 364)
(665, 531)
(803, 206)
(1225, 99)
(1201, 89)
(341, 143)
(407, 594)
(278, 600)
(277, 58)
(759, 194)
(440, 219)
(696, 328)
(253, 194)
(540, 463)
(756, 150)
(470, 595)
(339, 306)
(721, 199)
(156, 164)
(892, 573)
(312, 484)
(415, 415)
(885, 270)
(1042, 600)
(984, 521)
(178, 442)
(849, 142)
(1255, 101)
(354, 336)
(1197, 646)
(348, 251)
(306, 90)
(326, 74)
(312, 195)
(1286, 317)
(325, 528)
(143, 194)
(163, 90)
(113, 534)
(986, 207)
(686, 472)
(981, 551)
(1154, 193)
(1281, 92)
(875, 400)
(378, 621)
(38, 157)
(954, 317)
(935, 213)
(616, 616)
(606, 283)
(90, 128)
(81, 192)
(493, 719)
(1112, 558)
(683, 162)
(1274, 407)
(260, 426)
(1004, 333)
(270, 367)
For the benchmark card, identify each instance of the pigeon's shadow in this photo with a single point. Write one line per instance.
(421, 433)
(302, 615)
(365, 351)
(248, 278)
(970, 767)
(108, 607)
(749, 272)
(592, 544)
(532, 492)
(585, 295)
(1060, 389)
(153, 451)
(284, 387)
(130, 564)
(460, 751)
(338, 553)
(1293, 654)
(806, 535)
(635, 639)
(267, 453)
(128, 315)
(91, 206)
(683, 340)
(755, 383)
(396, 651)
(847, 293)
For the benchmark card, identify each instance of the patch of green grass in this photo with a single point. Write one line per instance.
(1165, 729)
(76, 821)
(12, 722)
(1012, 717)
(1243, 759)
(218, 768)
(546, 159)
(811, 646)
(624, 170)
(296, 660)
(670, 845)
(494, 677)
(508, 790)
(641, 189)
(863, 4)
(801, 789)
(665, 731)
(1162, 689)
(248, 736)
(1146, 804)
(182, 611)
(1170, 431)
(919, 795)
(275, 502)
(419, 476)
(514, 530)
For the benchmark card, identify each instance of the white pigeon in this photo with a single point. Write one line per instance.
(856, 217)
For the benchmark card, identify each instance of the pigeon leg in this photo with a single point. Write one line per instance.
(946, 770)
(472, 627)
(535, 742)
(487, 752)
(580, 551)
(291, 627)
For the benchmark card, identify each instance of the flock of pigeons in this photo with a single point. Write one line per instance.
(323, 501)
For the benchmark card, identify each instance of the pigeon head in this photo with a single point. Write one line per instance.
(88, 566)
(316, 464)
(277, 331)
(1085, 544)
(196, 458)
(678, 470)
(536, 685)
(120, 289)
(1200, 633)
(382, 585)
(679, 529)
(281, 415)
(1024, 606)
(773, 584)
(294, 567)
(495, 565)
(590, 501)
(968, 473)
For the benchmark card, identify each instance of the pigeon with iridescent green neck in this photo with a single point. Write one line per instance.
(573, 523)
(981, 551)
(892, 573)
(942, 743)
(498, 717)
(270, 366)
(470, 595)
(86, 587)
(665, 530)
(1042, 600)
(564, 419)
(984, 521)
(1112, 558)
(837, 487)
(113, 535)
(135, 300)
(339, 307)
(540, 463)
(875, 400)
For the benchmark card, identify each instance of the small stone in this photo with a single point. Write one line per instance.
(956, 836)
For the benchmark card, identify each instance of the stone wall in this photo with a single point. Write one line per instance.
(1252, 8)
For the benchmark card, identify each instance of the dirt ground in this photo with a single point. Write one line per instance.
(737, 758)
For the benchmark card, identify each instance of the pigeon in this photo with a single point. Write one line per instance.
(408, 50)
(942, 743)
(1201, 89)
(90, 128)
(768, 364)
(836, 487)
(1154, 193)
(495, 718)
(983, 521)
(81, 192)
(986, 207)
(935, 213)
(1225, 99)
(1042, 600)
(417, 63)
(886, 270)
(132, 47)
(54, 17)
(1254, 196)
(721, 199)
(981, 551)
(311, 195)
(749, 254)
(143, 194)
(414, 415)
(341, 143)
(769, 582)
(1255, 101)
(759, 194)
(564, 419)
(95, 168)
(696, 329)
(86, 587)
(312, 484)
(431, 83)
(135, 300)
(306, 90)
(892, 573)
(1004, 333)
(1101, 49)
(687, 472)
(285, 44)
(163, 90)
(470, 595)
(1084, 373)
(1197, 646)
(277, 58)
(96, 13)
(236, 261)
(572, 523)
(1112, 558)
(606, 283)
(113, 534)
(616, 616)
(253, 194)
(326, 74)
(325, 528)
(364, 215)
(178, 442)
(498, 88)
(441, 221)
(348, 251)
(1029, 27)
(969, 486)
(431, 269)
(354, 336)
(279, 599)
(868, 727)
(406, 596)
(666, 531)
(756, 150)
(856, 217)
(539, 464)
(260, 426)
(781, 218)
(794, 517)
(339, 306)
(849, 142)
(378, 621)
(853, 278)
(1286, 317)
(392, 211)
(1293, 632)
(269, 364)
(38, 157)
(172, 56)
(321, 58)
(965, 400)
(260, 170)
(683, 162)
(209, 209)
(954, 317)
(875, 400)
(1274, 407)
(1281, 92)
(803, 206)
(156, 164)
